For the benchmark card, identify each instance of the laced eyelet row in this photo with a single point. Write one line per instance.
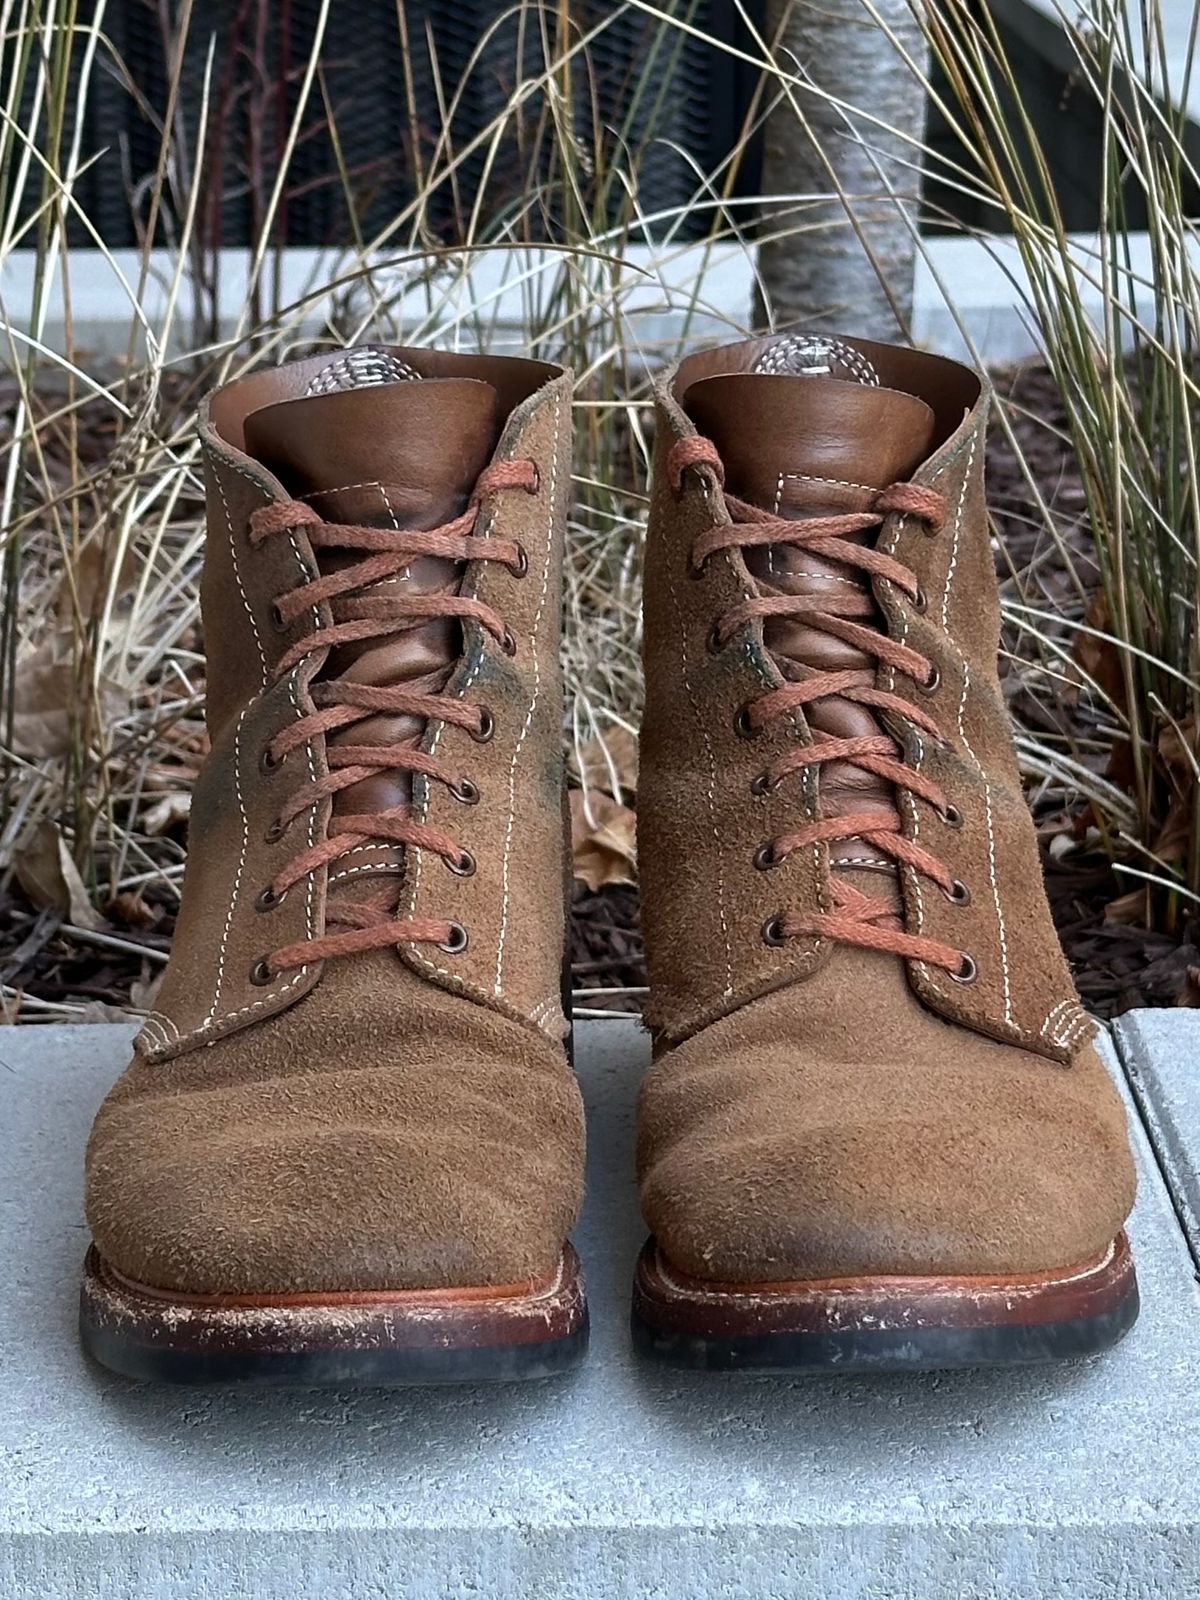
(376, 921)
(262, 973)
(851, 915)
(774, 934)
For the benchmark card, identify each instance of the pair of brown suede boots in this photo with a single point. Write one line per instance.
(350, 1146)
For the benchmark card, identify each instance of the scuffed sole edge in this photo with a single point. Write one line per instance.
(377, 1339)
(883, 1324)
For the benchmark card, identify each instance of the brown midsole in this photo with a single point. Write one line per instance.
(675, 1302)
(475, 1316)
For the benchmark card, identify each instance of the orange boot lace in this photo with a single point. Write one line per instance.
(358, 614)
(857, 919)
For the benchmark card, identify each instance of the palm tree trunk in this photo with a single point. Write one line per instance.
(842, 260)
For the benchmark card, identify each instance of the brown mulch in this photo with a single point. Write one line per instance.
(606, 947)
(1117, 965)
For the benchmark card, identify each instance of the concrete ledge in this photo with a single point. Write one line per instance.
(1073, 1481)
(971, 298)
(1160, 1051)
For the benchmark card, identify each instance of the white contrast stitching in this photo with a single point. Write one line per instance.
(370, 866)
(211, 1020)
(958, 518)
(341, 488)
(223, 948)
(812, 477)
(312, 810)
(1006, 978)
(681, 630)
(533, 704)
(544, 1007)
(237, 574)
(166, 1021)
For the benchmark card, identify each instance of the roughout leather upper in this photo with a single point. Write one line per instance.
(815, 1107)
(405, 1118)
(380, 1134)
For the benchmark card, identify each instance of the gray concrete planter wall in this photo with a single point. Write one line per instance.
(1075, 1481)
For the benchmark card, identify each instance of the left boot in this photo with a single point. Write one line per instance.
(877, 1132)
(349, 1147)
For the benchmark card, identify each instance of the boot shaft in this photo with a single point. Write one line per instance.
(885, 447)
(394, 440)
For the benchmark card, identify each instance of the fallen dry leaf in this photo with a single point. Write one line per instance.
(50, 877)
(1100, 659)
(43, 696)
(1129, 910)
(1172, 840)
(1180, 748)
(609, 762)
(603, 835)
(165, 813)
(131, 910)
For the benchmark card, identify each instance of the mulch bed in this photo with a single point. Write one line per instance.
(1117, 965)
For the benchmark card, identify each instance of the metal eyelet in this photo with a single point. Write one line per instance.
(520, 566)
(932, 683)
(508, 642)
(275, 832)
(920, 601)
(486, 728)
(952, 817)
(278, 621)
(458, 940)
(268, 762)
(772, 932)
(714, 643)
(465, 792)
(261, 974)
(766, 857)
(958, 894)
(268, 899)
(464, 867)
(967, 972)
(742, 725)
(762, 784)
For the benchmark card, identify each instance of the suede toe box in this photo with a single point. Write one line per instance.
(798, 1138)
(342, 1147)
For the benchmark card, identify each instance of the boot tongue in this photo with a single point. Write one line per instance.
(385, 453)
(799, 445)
(804, 446)
(406, 452)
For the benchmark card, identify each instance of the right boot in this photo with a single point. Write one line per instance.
(877, 1131)
(349, 1146)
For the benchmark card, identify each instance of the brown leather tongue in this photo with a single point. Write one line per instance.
(397, 454)
(804, 447)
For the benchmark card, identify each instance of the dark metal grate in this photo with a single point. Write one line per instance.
(670, 102)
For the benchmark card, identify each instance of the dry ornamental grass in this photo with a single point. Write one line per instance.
(101, 659)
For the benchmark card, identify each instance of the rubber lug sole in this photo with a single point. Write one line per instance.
(411, 1336)
(883, 1324)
